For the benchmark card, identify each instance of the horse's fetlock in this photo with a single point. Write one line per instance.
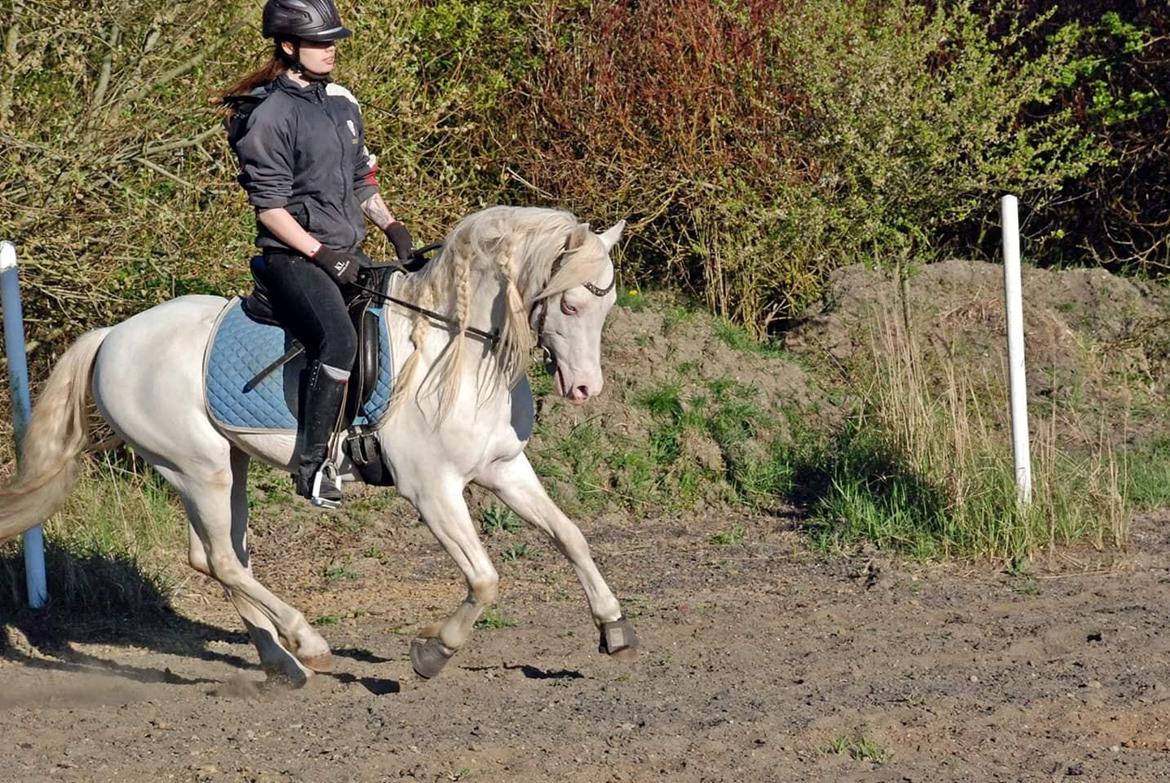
(484, 589)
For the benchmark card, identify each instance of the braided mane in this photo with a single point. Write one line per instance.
(513, 250)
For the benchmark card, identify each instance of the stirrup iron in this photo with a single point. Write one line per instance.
(326, 478)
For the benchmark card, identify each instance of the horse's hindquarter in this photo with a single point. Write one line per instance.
(148, 379)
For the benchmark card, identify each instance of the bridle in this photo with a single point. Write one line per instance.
(543, 302)
(492, 338)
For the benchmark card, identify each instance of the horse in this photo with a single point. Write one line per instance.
(461, 413)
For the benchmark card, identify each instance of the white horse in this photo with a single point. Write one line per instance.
(459, 414)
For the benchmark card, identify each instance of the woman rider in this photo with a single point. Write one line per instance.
(310, 178)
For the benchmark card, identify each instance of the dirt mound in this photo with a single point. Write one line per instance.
(690, 400)
(1096, 344)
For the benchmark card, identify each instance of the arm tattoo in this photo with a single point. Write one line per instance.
(377, 211)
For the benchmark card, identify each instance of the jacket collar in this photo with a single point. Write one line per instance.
(314, 93)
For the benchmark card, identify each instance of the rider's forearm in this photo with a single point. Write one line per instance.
(286, 228)
(377, 211)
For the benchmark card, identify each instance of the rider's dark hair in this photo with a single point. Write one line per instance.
(277, 64)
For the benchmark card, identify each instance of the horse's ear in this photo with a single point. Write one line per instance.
(612, 235)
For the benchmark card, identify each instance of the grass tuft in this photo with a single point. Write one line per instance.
(111, 550)
(925, 468)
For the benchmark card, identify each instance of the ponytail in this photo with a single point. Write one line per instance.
(275, 66)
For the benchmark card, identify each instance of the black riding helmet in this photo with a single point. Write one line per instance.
(305, 20)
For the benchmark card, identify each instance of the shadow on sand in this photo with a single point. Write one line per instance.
(99, 599)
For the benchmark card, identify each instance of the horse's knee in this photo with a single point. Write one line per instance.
(484, 588)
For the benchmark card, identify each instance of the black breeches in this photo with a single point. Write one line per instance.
(307, 301)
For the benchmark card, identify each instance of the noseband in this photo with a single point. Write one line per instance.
(543, 303)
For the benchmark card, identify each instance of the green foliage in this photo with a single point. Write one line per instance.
(705, 439)
(923, 468)
(757, 147)
(831, 133)
(340, 573)
(499, 519)
(1146, 475)
(730, 537)
(520, 551)
(491, 619)
(861, 747)
(110, 552)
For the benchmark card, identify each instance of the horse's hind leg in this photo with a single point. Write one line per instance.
(274, 658)
(516, 483)
(216, 506)
(445, 512)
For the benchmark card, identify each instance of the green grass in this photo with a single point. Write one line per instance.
(519, 551)
(540, 380)
(631, 298)
(327, 619)
(1146, 474)
(740, 339)
(340, 573)
(922, 468)
(112, 550)
(860, 747)
(491, 619)
(730, 537)
(500, 519)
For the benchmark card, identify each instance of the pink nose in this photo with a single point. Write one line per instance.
(579, 393)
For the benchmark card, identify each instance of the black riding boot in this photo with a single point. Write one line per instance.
(321, 401)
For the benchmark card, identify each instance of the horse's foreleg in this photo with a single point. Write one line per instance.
(516, 484)
(445, 512)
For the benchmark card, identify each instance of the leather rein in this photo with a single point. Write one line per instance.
(492, 338)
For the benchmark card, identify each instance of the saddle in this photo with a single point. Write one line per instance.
(364, 373)
(370, 385)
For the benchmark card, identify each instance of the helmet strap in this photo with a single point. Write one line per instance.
(306, 74)
(293, 62)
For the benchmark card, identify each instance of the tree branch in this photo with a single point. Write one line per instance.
(11, 41)
(99, 93)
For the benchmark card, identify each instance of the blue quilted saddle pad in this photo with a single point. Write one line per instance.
(240, 348)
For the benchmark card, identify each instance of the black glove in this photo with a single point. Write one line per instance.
(342, 267)
(401, 239)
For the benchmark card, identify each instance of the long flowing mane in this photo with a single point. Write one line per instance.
(512, 249)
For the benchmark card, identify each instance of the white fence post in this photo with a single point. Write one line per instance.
(1014, 305)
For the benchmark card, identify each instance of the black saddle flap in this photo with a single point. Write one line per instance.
(365, 370)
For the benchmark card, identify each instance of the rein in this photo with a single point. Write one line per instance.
(492, 338)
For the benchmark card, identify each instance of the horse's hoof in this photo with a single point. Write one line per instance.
(619, 640)
(428, 656)
(322, 664)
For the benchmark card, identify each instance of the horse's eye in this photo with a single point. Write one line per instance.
(567, 308)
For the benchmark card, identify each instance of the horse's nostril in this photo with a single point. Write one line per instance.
(582, 392)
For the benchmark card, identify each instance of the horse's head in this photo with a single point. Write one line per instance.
(568, 322)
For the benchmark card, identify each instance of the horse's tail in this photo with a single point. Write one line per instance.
(58, 433)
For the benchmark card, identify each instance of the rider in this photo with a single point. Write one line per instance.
(310, 178)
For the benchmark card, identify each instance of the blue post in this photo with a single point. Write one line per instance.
(33, 539)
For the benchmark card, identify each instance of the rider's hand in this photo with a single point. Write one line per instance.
(401, 239)
(342, 267)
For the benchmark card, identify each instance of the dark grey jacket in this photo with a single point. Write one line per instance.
(304, 149)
